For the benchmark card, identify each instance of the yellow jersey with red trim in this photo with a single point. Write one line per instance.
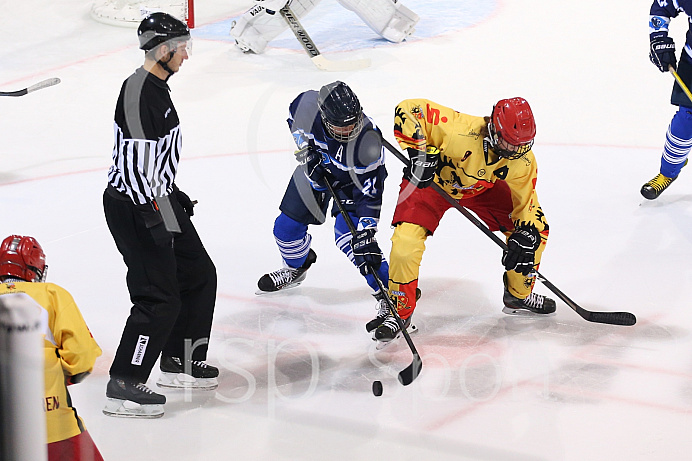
(468, 166)
(69, 349)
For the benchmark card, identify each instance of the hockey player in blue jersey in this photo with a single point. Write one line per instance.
(338, 143)
(662, 54)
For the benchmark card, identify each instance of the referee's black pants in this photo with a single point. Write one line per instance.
(173, 290)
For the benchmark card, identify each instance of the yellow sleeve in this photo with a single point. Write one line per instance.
(522, 183)
(77, 348)
(419, 123)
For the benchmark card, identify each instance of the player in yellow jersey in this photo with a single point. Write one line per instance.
(69, 349)
(487, 164)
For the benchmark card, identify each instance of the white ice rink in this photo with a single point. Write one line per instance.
(297, 367)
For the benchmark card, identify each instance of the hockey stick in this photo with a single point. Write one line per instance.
(611, 318)
(671, 69)
(411, 372)
(320, 61)
(38, 86)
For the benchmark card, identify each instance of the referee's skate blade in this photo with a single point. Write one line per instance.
(185, 381)
(412, 329)
(128, 409)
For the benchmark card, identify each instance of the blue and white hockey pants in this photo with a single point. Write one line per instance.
(294, 244)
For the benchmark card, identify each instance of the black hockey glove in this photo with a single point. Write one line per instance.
(184, 200)
(154, 222)
(421, 171)
(311, 161)
(662, 53)
(521, 250)
(366, 251)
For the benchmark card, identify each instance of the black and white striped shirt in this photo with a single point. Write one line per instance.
(147, 139)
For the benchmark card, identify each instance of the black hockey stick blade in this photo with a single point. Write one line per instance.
(38, 86)
(611, 318)
(411, 372)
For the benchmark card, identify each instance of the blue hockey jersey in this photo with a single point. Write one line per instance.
(662, 11)
(357, 177)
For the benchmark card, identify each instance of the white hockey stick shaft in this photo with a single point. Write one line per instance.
(38, 86)
(311, 49)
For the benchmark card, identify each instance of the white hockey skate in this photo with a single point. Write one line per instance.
(132, 400)
(173, 376)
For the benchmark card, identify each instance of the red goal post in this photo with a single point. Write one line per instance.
(129, 13)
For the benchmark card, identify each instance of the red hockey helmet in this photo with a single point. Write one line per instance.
(512, 128)
(22, 257)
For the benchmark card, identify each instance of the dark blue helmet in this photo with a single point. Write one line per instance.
(158, 28)
(341, 112)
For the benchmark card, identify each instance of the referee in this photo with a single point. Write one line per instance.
(170, 276)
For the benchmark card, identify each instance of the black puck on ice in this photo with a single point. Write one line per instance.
(377, 388)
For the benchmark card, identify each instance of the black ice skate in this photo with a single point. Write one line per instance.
(534, 304)
(382, 311)
(286, 277)
(389, 330)
(130, 399)
(198, 374)
(652, 189)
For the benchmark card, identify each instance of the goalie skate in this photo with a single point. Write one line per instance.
(173, 376)
(132, 400)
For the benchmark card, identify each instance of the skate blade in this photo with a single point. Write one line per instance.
(128, 409)
(524, 312)
(287, 287)
(184, 381)
(412, 329)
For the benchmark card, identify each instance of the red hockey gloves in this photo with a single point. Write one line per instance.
(366, 251)
(521, 250)
(662, 53)
(421, 171)
(311, 161)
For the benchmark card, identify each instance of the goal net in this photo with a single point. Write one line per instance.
(129, 13)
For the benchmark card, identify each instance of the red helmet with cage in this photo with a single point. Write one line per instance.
(512, 127)
(22, 257)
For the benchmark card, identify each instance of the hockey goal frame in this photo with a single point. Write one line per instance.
(129, 13)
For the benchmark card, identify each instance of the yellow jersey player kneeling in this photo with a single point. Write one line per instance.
(485, 163)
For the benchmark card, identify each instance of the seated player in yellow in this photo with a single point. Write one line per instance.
(69, 349)
(486, 163)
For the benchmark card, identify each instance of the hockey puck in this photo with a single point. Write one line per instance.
(377, 388)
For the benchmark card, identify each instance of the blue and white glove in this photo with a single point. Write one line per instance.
(311, 161)
(366, 251)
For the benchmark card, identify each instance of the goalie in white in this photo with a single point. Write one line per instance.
(263, 22)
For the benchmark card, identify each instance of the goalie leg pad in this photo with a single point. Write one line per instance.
(263, 23)
(390, 19)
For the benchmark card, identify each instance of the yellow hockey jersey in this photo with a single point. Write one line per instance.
(467, 165)
(69, 349)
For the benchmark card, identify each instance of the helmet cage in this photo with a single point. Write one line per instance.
(23, 257)
(344, 133)
(510, 154)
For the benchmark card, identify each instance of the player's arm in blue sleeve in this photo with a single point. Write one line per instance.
(302, 114)
(659, 17)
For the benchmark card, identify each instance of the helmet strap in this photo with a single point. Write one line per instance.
(164, 64)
